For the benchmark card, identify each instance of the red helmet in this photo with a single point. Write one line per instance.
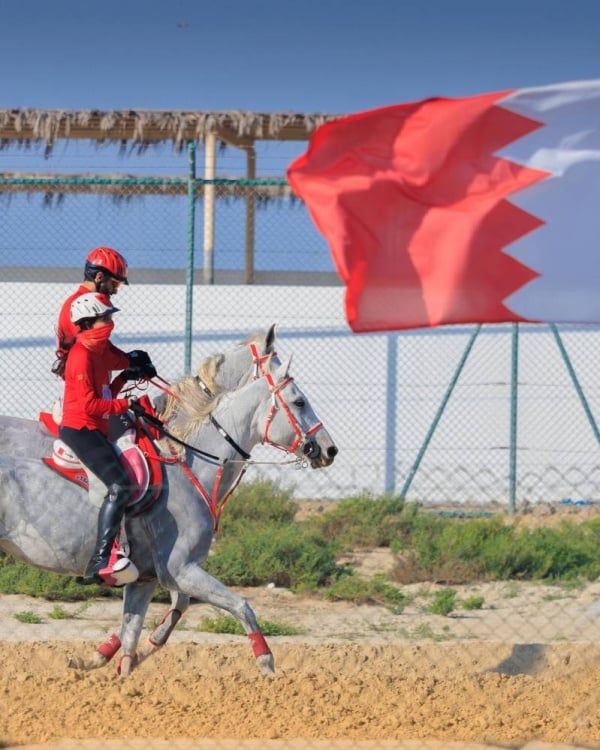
(108, 260)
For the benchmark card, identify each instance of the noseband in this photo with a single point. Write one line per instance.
(277, 400)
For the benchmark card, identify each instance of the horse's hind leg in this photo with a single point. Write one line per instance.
(199, 584)
(159, 636)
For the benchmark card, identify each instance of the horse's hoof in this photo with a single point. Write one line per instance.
(266, 664)
(76, 662)
(126, 665)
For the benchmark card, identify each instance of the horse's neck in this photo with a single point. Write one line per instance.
(240, 414)
(235, 371)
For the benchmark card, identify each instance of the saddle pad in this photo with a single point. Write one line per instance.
(46, 418)
(74, 475)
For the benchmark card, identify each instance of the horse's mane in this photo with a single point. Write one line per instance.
(190, 405)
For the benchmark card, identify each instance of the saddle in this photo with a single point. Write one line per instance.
(136, 447)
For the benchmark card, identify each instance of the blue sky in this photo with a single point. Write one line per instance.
(280, 55)
(332, 56)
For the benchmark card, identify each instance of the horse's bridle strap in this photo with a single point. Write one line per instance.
(226, 436)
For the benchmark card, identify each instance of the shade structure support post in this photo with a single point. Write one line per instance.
(210, 160)
(250, 215)
(189, 276)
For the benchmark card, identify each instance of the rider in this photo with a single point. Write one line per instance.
(89, 399)
(105, 270)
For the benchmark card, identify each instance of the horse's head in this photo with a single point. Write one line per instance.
(291, 423)
(244, 362)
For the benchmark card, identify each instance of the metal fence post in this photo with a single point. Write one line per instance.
(575, 380)
(514, 387)
(391, 416)
(440, 411)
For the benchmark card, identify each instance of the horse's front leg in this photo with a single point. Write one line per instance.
(199, 584)
(136, 600)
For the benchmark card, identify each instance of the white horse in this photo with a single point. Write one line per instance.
(216, 373)
(49, 523)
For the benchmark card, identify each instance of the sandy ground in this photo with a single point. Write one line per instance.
(523, 671)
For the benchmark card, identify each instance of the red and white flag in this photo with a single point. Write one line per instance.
(477, 210)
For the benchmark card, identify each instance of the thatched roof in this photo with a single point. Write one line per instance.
(24, 127)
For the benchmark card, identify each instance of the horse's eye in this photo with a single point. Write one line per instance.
(300, 403)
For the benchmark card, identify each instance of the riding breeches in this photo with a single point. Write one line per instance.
(97, 453)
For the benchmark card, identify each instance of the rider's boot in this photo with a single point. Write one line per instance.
(102, 567)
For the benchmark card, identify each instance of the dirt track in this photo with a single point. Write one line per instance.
(524, 668)
(337, 691)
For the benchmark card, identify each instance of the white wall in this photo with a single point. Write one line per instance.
(377, 394)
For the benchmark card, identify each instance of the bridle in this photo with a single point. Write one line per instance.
(277, 401)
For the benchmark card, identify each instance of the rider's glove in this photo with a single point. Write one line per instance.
(131, 373)
(141, 372)
(136, 407)
(138, 357)
(148, 371)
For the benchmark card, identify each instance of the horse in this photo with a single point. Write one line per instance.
(49, 524)
(215, 374)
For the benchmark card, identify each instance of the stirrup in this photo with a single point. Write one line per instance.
(120, 573)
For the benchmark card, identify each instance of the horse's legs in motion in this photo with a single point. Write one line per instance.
(159, 636)
(199, 584)
(136, 600)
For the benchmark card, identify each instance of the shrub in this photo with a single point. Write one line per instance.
(285, 555)
(443, 603)
(18, 578)
(361, 521)
(472, 602)
(258, 502)
(374, 591)
(229, 625)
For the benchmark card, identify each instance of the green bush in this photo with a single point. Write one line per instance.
(257, 502)
(18, 578)
(472, 602)
(442, 549)
(443, 603)
(373, 591)
(230, 626)
(284, 555)
(361, 521)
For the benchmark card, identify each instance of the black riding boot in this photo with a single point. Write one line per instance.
(109, 521)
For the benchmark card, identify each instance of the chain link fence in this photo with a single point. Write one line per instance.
(503, 415)
(497, 417)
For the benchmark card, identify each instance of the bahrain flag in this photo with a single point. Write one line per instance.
(475, 210)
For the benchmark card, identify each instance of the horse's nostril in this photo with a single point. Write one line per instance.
(332, 451)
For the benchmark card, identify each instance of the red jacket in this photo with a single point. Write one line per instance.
(89, 396)
(66, 332)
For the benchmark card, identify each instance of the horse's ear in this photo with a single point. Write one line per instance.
(282, 370)
(286, 366)
(270, 341)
